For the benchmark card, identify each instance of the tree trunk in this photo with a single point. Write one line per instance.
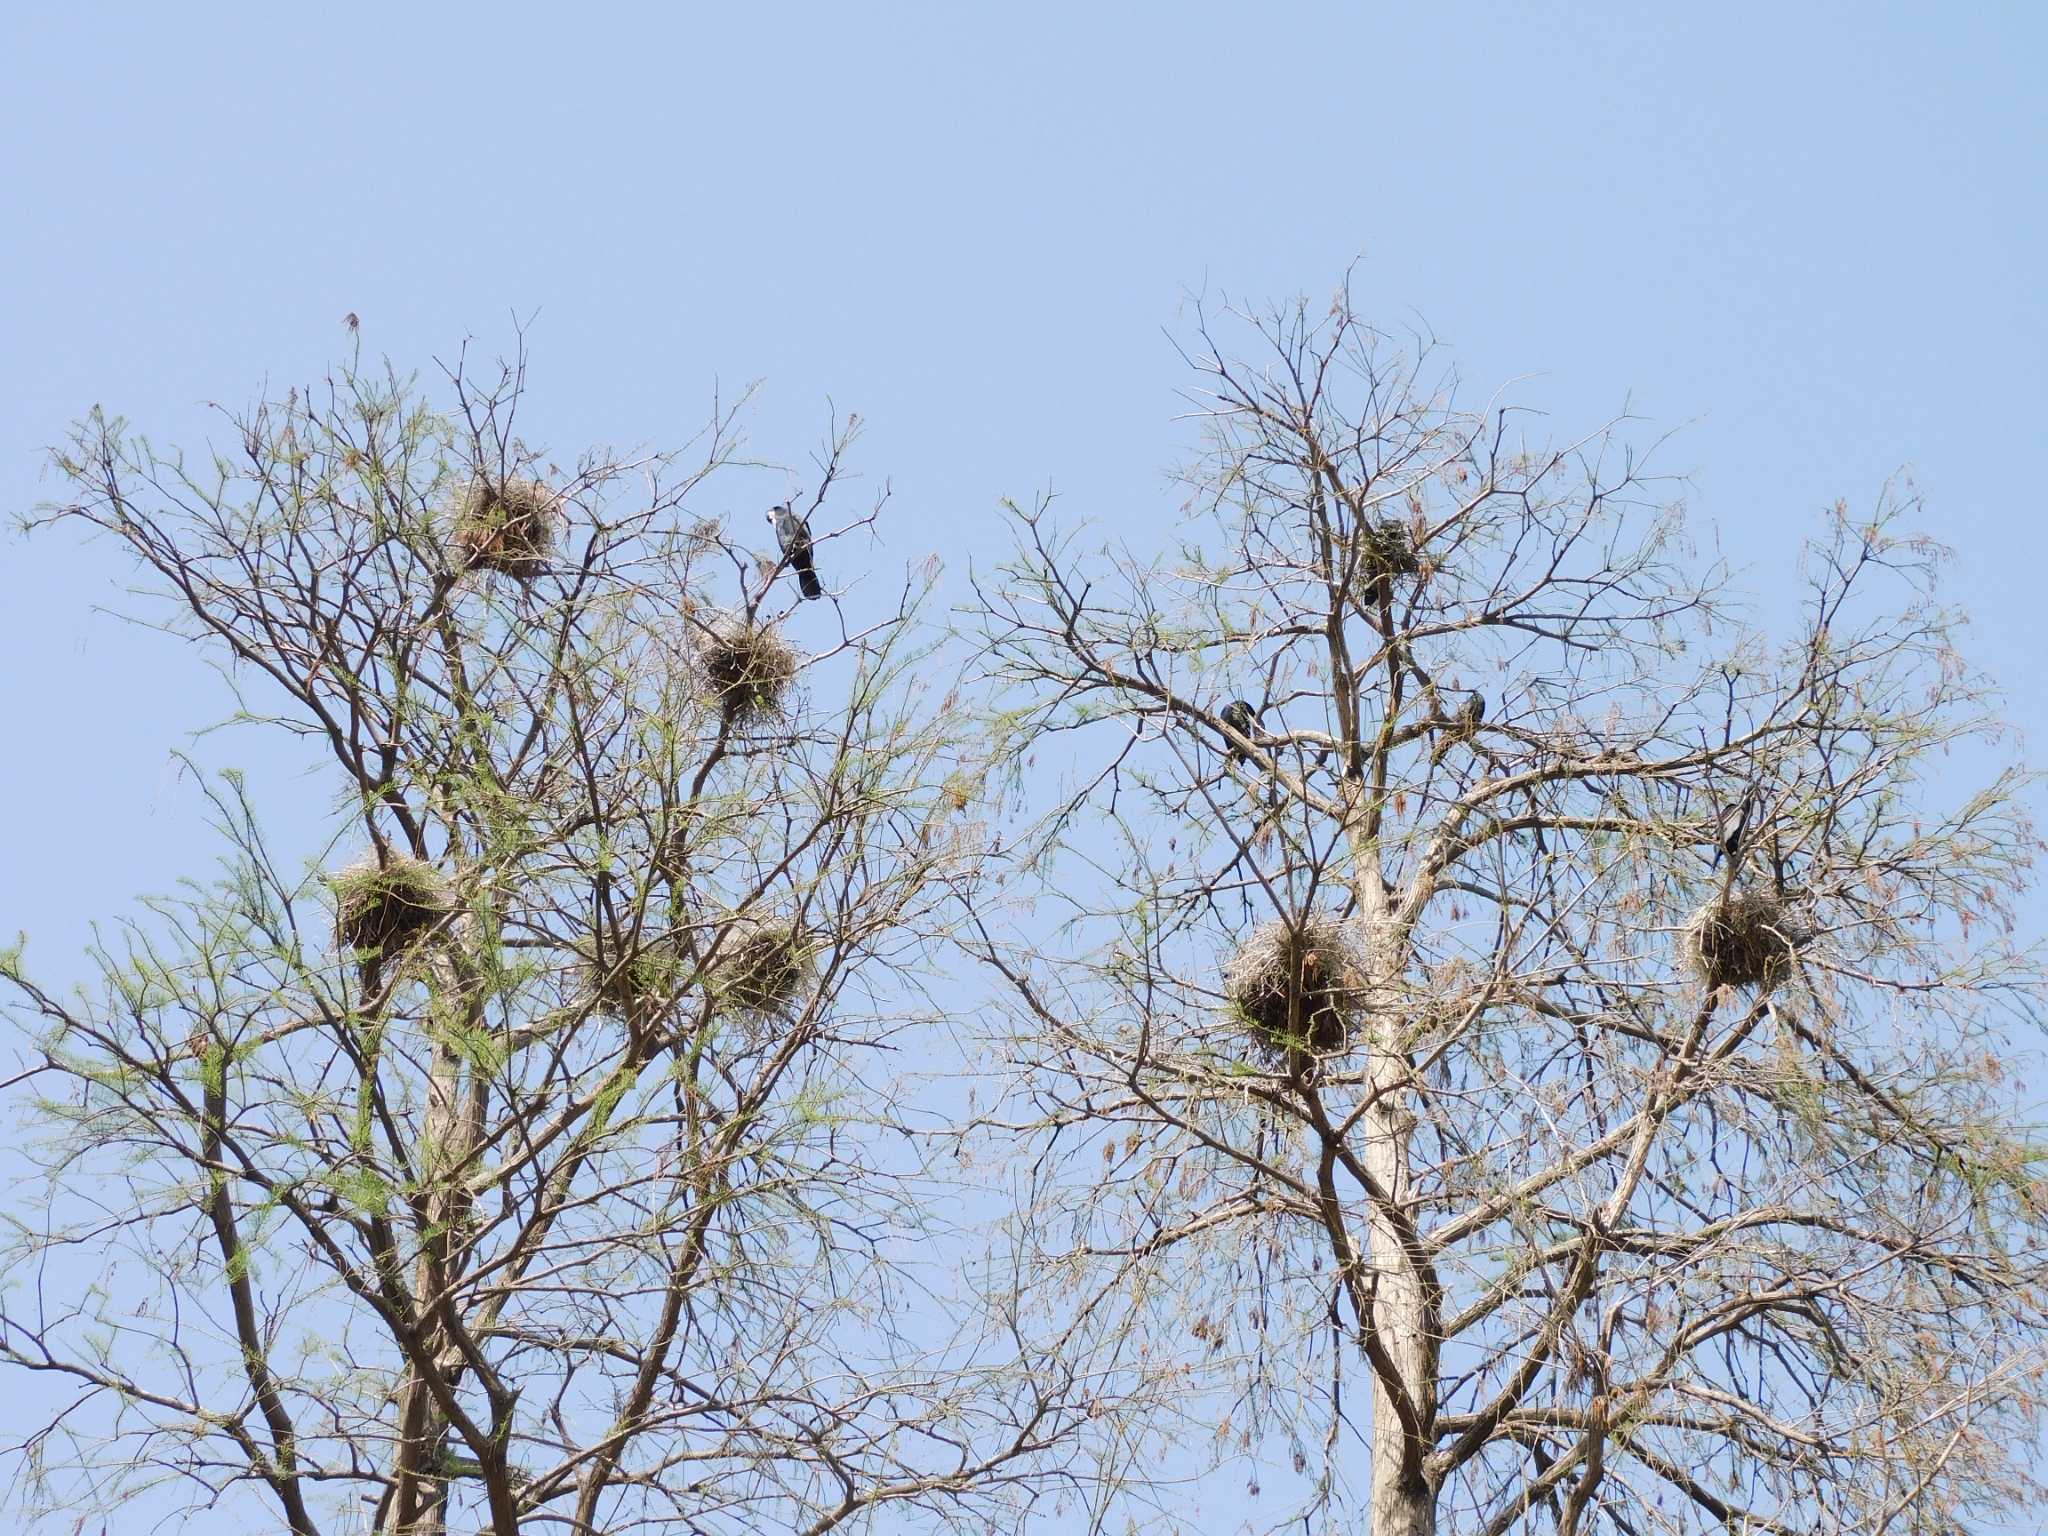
(1400, 1508)
(1405, 1301)
(1403, 1502)
(449, 1130)
(420, 1505)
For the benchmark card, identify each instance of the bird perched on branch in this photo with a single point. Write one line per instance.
(1239, 715)
(793, 537)
(1461, 726)
(1731, 825)
(1240, 718)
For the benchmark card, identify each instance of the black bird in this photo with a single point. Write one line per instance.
(1471, 712)
(1731, 823)
(793, 535)
(1243, 719)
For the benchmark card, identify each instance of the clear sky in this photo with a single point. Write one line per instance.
(1816, 232)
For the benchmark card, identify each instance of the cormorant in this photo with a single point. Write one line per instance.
(1239, 715)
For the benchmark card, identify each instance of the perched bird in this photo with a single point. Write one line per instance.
(1461, 726)
(1243, 719)
(793, 536)
(1731, 823)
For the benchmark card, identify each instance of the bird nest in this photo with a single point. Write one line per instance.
(383, 909)
(508, 525)
(1296, 986)
(762, 966)
(1387, 549)
(745, 670)
(1747, 940)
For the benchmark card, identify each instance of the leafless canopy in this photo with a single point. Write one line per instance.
(1610, 1248)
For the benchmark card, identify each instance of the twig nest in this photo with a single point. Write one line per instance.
(1297, 986)
(745, 669)
(957, 793)
(1748, 940)
(763, 965)
(509, 525)
(381, 910)
(1386, 549)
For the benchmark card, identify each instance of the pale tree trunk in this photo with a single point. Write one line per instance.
(1399, 1306)
(1403, 1305)
(420, 1505)
(1403, 1502)
(450, 1130)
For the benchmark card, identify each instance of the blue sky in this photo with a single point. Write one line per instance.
(1814, 233)
(1813, 236)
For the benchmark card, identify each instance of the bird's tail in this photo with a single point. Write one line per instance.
(807, 581)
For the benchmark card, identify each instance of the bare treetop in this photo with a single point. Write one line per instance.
(1656, 1174)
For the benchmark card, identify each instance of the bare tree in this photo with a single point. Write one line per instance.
(534, 1162)
(1549, 998)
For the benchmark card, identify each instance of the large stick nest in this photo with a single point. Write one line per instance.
(1747, 940)
(745, 670)
(1386, 549)
(381, 910)
(510, 525)
(1297, 986)
(763, 966)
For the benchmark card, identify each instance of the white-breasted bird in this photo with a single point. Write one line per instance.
(793, 537)
(1731, 823)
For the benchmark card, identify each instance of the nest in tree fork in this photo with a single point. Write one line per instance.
(508, 525)
(1386, 549)
(745, 669)
(381, 910)
(1297, 986)
(763, 965)
(1747, 940)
